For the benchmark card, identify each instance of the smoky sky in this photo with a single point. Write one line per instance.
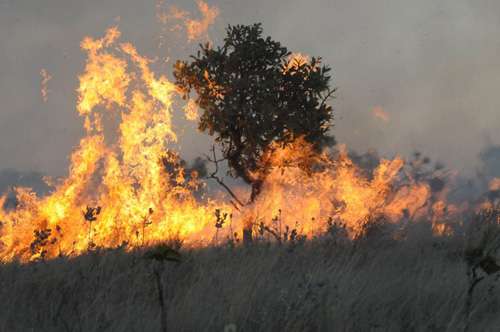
(432, 66)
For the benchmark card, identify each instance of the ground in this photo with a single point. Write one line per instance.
(418, 282)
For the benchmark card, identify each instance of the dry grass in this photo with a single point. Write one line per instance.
(376, 284)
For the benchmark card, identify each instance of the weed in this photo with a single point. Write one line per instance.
(90, 216)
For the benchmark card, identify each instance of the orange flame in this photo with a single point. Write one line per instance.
(295, 60)
(380, 114)
(195, 29)
(494, 184)
(310, 197)
(128, 187)
(128, 180)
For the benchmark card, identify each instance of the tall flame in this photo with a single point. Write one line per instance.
(134, 196)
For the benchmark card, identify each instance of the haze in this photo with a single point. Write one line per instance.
(431, 67)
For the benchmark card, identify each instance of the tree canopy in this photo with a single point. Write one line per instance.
(254, 92)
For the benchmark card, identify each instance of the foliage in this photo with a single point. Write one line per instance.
(39, 243)
(483, 241)
(253, 94)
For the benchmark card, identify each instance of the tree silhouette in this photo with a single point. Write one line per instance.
(253, 92)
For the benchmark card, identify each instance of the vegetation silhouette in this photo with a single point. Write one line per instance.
(254, 93)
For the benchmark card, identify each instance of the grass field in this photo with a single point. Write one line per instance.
(375, 283)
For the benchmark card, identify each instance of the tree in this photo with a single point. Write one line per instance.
(254, 93)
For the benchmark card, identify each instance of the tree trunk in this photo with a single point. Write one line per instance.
(247, 235)
(256, 189)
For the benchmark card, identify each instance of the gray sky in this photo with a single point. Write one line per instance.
(433, 66)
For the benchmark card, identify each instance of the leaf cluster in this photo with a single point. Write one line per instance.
(253, 93)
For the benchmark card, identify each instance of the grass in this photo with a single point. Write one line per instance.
(375, 283)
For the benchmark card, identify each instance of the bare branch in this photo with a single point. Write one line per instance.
(214, 176)
(328, 95)
(274, 233)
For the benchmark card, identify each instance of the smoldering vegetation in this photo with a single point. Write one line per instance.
(390, 278)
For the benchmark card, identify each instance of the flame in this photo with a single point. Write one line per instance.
(307, 198)
(191, 110)
(125, 186)
(195, 29)
(296, 60)
(379, 113)
(494, 184)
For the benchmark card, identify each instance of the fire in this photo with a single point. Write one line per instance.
(195, 29)
(191, 110)
(296, 60)
(380, 114)
(494, 184)
(135, 189)
(126, 187)
(307, 189)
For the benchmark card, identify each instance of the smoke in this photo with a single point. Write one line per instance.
(432, 66)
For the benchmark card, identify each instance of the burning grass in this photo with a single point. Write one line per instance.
(128, 187)
(374, 282)
(129, 241)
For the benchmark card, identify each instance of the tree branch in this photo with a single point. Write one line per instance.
(328, 95)
(214, 176)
